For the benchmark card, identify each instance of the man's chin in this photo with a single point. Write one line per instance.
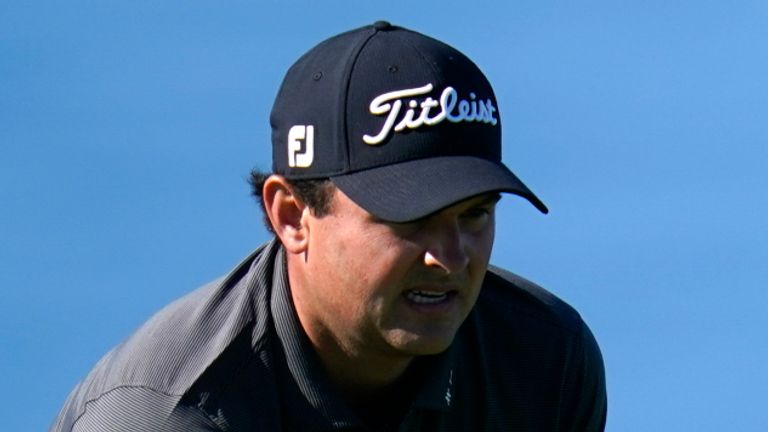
(422, 343)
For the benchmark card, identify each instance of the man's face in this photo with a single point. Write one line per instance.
(393, 289)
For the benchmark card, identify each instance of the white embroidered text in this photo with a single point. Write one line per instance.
(450, 108)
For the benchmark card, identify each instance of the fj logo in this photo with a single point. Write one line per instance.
(301, 155)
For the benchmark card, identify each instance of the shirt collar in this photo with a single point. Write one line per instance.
(326, 409)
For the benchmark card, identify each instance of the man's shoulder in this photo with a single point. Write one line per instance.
(170, 350)
(514, 297)
(164, 357)
(538, 346)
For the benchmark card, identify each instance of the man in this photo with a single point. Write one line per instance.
(374, 307)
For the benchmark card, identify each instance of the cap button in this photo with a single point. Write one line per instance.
(382, 25)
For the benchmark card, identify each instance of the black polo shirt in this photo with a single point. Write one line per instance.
(232, 356)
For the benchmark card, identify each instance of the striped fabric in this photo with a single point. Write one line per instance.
(231, 356)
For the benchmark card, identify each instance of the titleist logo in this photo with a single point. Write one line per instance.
(449, 107)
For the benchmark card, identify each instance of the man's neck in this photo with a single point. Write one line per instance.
(377, 389)
(379, 392)
(358, 376)
(357, 373)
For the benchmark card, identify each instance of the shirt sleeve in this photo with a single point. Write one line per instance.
(585, 403)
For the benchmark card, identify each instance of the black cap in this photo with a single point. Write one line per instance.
(403, 124)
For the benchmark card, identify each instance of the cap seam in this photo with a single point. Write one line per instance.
(345, 117)
(432, 66)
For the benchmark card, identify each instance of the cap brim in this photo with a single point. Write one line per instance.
(411, 190)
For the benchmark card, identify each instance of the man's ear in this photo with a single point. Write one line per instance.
(286, 214)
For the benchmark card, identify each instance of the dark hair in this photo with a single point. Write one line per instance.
(315, 193)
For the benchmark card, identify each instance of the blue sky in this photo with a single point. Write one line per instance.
(127, 130)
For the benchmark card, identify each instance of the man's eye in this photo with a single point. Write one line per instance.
(477, 213)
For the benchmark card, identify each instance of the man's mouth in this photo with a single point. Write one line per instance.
(428, 297)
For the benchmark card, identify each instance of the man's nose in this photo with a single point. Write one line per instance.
(446, 249)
